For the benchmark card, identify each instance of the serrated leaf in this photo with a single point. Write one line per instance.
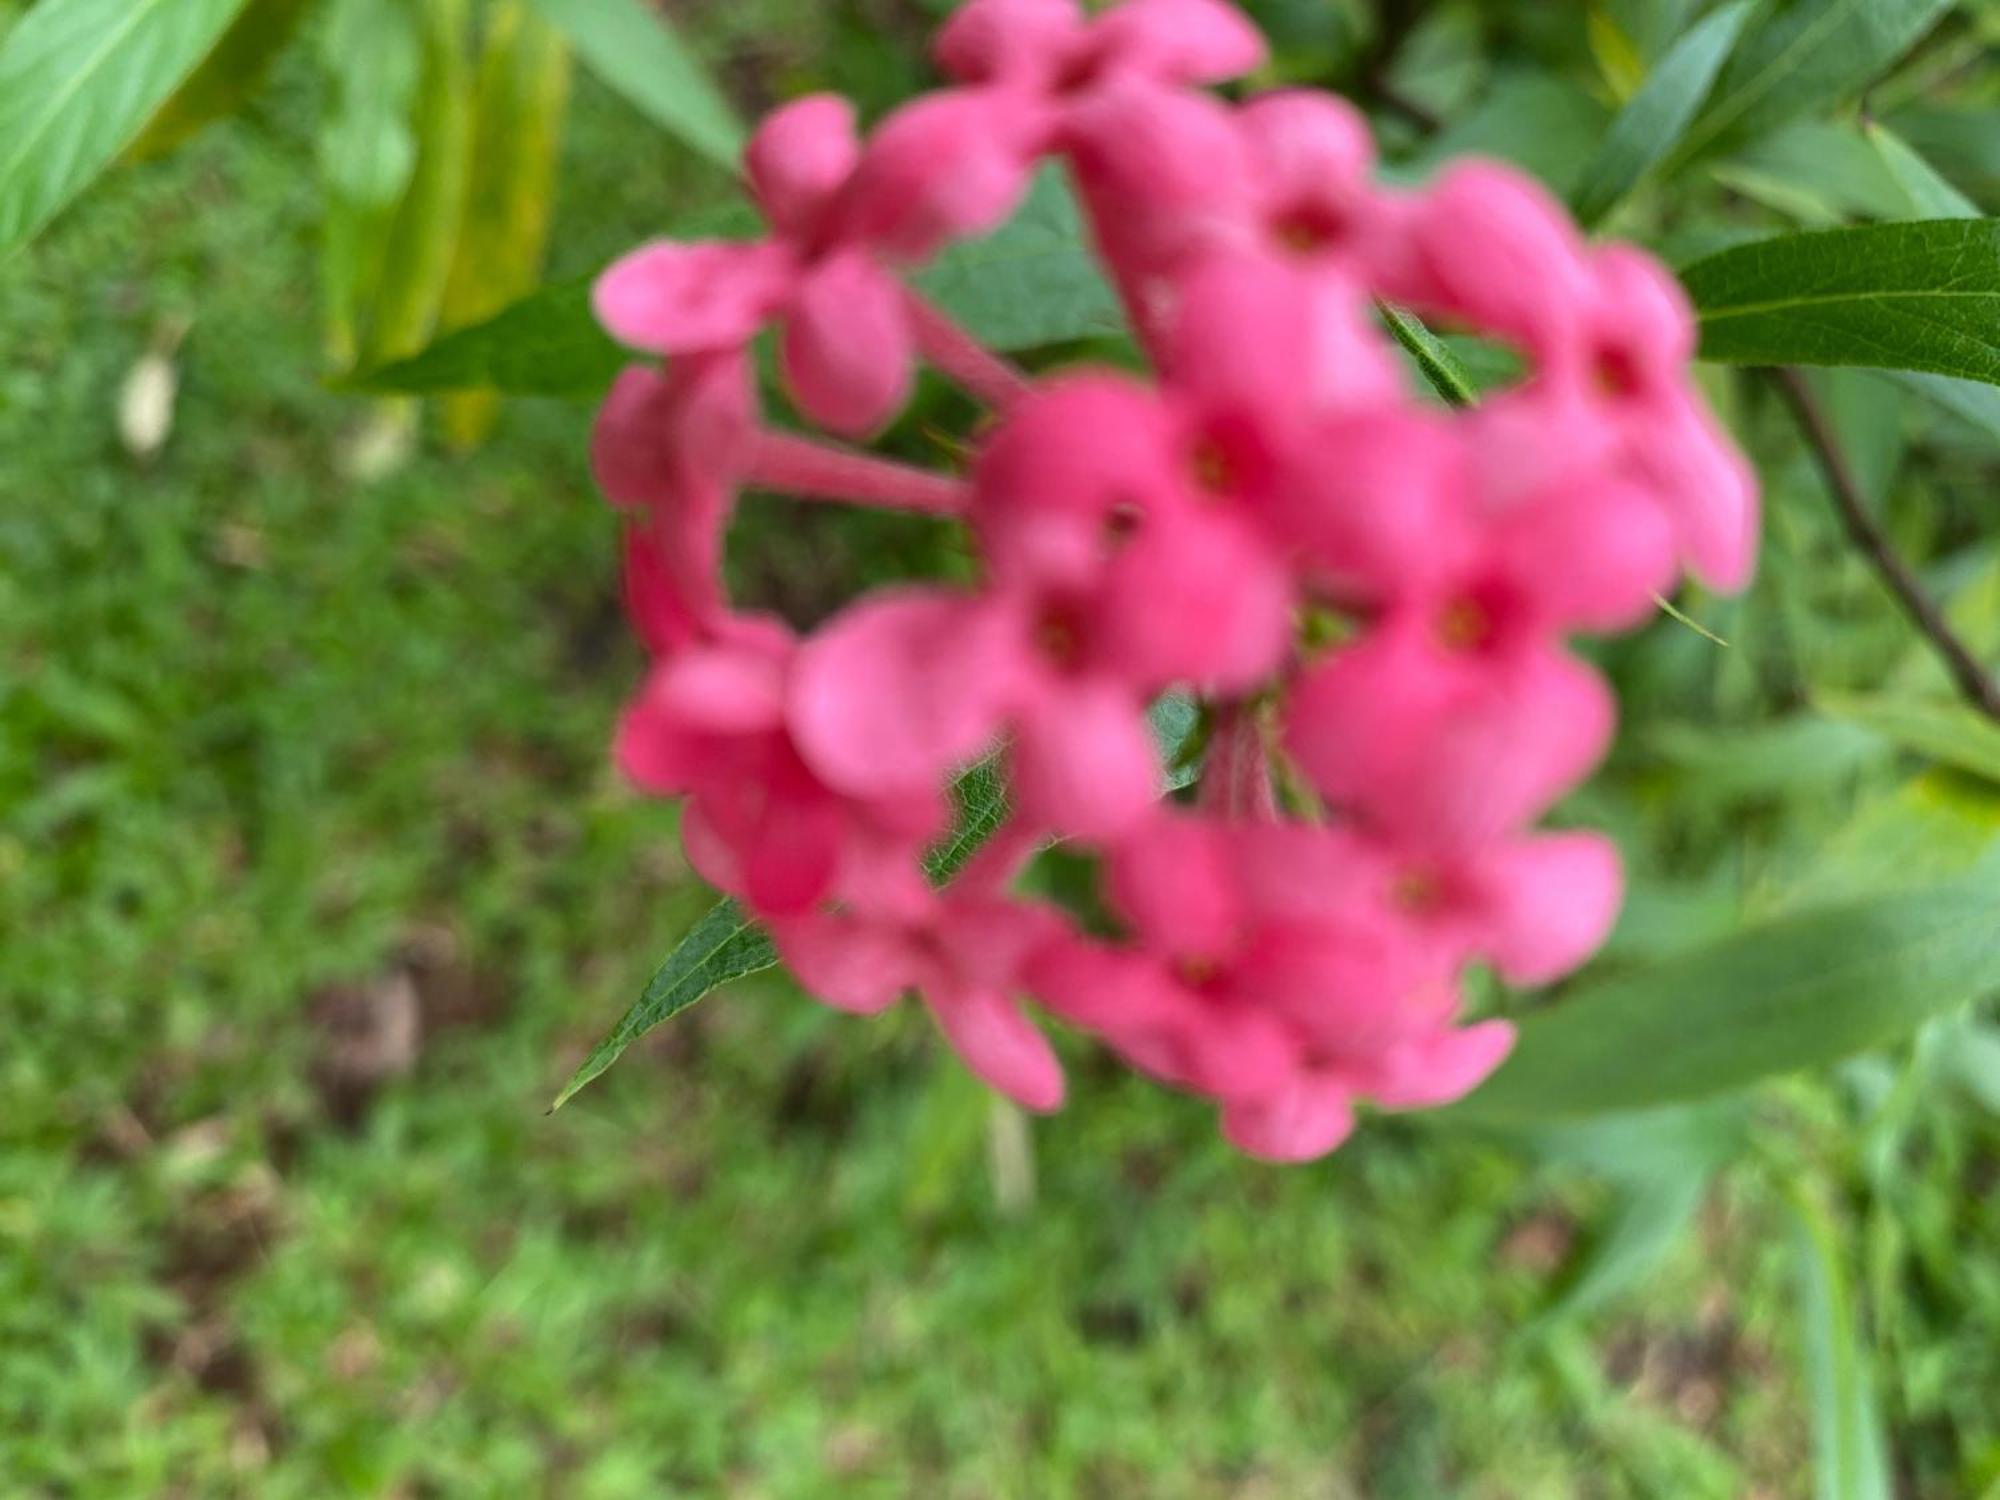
(78, 80)
(1779, 996)
(727, 944)
(1849, 1449)
(1952, 734)
(1914, 296)
(1647, 128)
(632, 48)
(546, 344)
(724, 945)
(1803, 54)
(235, 68)
(1928, 195)
(518, 105)
(1031, 282)
(1436, 363)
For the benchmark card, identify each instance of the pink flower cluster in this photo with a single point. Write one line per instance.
(1368, 594)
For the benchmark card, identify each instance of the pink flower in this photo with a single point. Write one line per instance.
(962, 950)
(1047, 46)
(848, 345)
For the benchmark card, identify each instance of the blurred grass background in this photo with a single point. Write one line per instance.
(315, 883)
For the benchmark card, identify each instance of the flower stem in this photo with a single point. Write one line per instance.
(821, 471)
(994, 380)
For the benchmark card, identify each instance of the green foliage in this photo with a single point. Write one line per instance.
(231, 74)
(1447, 376)
(1802, 55)
(1918, 296)
(1793, 993)
(1848, 1447)
(546, 344)
(1653, 119)
(634, 50)
(78, 79)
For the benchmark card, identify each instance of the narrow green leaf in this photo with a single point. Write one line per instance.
(1031, 282)
(1543, 124)
(424, 232)
(1803, 54)
(632, 48)
(1647, 1221)
(234, 71)
(546, 344)
(724, 945)
(1929, 195)
(1647, 128)
(1912, 296)
(1969, 400)
(1448, 377)
(372, 55)
(518, 107)
(78, 80)
(1849, 1450)
(1788, 994)
(1950, 733)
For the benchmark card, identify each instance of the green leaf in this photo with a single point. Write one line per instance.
(1647, 128)
(1541, 123)
(78, 79)
(1952, 734)
(424, 232)
(628, 45)
(1929, 195)
(1801, 55)
(1915, 296)
(224, 83)
(1969, 400)
(1849, 1450)
(518, 108)
(1447, 376)
(546, 344)
(1031, 282)
(725, 944)
(372, 54)
(1793, 993)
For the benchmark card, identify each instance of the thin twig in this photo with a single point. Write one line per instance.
(1974, 684)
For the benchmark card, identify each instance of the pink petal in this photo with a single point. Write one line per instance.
(1172, 879)
(1552, 901)
(847, 346)
(672, 298)
(1708, 488)
(863, 967)
(1231, 619)
(662, 618)
(950, 166)
(1441, 1068)
(709, 854)
(1301, 1121)
(791, 862)
(1310, 146)
(723, 689)
(1025, 41)
(1180, 41)
(1163, 173)
(1492, 247)
(1622, 532)
(896, 690)
(1641, 307)
(1084, 762)
(800, 157)
(998, 1043)
(655, 748)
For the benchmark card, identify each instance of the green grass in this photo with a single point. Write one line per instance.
(281, 752)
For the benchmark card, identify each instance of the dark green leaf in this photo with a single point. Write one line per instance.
(1788, 994)
(547, 344)
(1033, 281)
(631, 47)
(1647, 128)
(78, 79)
(1542, 124)
(724, 945)
(1447, 376)
(1916, 296)
(1801, 55)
